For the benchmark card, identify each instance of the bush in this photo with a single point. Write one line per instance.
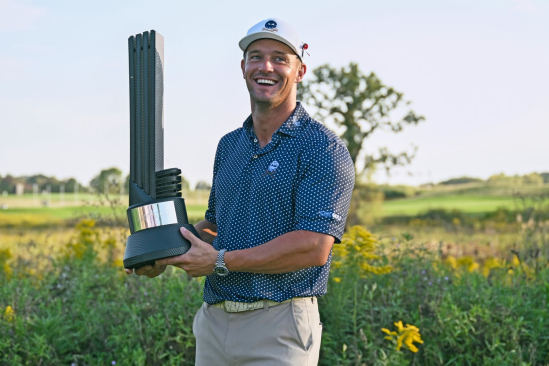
(85, 311)
(465, 314)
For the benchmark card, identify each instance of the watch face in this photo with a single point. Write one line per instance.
(221, 271)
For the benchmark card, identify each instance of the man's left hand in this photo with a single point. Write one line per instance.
(199, 260)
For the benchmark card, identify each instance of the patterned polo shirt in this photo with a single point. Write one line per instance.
(301, 180)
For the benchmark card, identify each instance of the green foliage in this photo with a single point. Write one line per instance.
(464, 318)
(517, 180)
(400, 191)
(202, 185)
(84, 310)
(8, 183)
(461, 180)
(42, 182)
(92, 315)
(107, 181)
(358, 104)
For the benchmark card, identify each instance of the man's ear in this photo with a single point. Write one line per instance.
(301, 73)
(243, 66)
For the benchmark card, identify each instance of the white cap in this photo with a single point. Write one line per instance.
(276, 29)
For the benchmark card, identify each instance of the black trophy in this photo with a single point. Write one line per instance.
(156, 210)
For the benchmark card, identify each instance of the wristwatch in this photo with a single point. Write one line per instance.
(220, 268)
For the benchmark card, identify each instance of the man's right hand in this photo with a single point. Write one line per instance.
(149, 271)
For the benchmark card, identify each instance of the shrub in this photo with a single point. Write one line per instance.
(85, 311)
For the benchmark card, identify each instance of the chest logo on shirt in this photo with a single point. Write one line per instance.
(271, 170)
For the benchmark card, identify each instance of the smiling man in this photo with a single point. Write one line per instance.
(281, 190)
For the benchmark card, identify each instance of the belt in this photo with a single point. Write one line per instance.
(237, 306)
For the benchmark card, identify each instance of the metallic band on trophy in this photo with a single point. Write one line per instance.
(157, 214)
(156, 210)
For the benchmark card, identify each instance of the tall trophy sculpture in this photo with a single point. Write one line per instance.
(157, 210)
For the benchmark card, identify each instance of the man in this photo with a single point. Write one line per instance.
(280, 195)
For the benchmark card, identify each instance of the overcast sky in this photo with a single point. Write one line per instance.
(476, 69)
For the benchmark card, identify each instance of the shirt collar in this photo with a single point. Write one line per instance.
(292, 127)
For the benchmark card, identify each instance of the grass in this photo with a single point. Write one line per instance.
(469, 204)
(54, 213)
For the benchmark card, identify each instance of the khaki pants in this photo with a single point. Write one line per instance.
(283, 335)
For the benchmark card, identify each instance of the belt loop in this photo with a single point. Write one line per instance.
(208, 305)
(266, 305)
(312, 299)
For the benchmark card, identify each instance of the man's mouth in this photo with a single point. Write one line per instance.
(266, 82)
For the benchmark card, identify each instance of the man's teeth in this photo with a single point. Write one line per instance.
(265, 81)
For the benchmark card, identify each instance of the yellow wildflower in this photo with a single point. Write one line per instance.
(118, 263)
(389, 333)
(468, 263)
(357, 249)
(464, 263)
(491, 264)
(337, 279)
(405, 334)
(451, 262)
(86, 236)
(5, 255)
(515, 262)
(9, 314)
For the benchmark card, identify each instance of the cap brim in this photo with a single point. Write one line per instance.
(246, 41)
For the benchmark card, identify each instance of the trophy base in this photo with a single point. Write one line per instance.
(145, 247)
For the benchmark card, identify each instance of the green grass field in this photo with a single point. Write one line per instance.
(29, 210)
(473, 199)
(471, 204)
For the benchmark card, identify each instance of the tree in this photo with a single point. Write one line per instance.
(202, 185)
(71, 184)
(8, 184)
(107, 181)
(533, 178)
(460, 180)
(358, 104)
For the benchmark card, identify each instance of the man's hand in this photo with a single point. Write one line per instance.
(198, 261)
(149, 271)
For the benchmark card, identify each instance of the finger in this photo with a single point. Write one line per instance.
(157, 269)
(174, 261)
(187, 234)
(143, 270)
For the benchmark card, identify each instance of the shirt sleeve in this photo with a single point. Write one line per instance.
(324, 190)
(211, 212)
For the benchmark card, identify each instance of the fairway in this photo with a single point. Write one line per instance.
(467, 204)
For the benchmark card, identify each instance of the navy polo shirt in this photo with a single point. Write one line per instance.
(301, 180)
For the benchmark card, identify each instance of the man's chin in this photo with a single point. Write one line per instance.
(263, 99)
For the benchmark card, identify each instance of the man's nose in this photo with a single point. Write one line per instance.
(266, 66)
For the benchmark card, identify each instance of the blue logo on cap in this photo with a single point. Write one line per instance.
(271, 24)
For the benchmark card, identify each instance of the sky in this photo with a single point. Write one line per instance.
(476, 69)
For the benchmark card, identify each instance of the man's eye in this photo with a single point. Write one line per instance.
(254, 57)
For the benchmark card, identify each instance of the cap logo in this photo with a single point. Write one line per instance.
(270, 26)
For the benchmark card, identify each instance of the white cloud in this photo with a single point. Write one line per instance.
(18, 16)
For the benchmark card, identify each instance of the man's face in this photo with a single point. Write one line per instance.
(271, 70)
